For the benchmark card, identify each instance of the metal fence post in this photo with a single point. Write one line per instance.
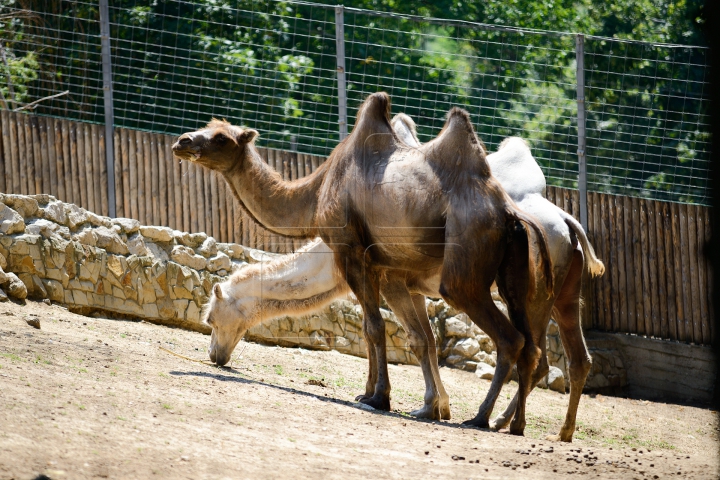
(340, 53)
(582, 159)
(108, 94)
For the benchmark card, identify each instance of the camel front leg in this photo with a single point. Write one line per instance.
(398, 298)
(421, 310)
(364, 284)
(372, 368)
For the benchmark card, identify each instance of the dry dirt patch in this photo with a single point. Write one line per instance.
(92, 397)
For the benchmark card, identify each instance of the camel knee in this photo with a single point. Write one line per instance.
(510, 346)
(418, 343)
(579, 370)
(542, 369)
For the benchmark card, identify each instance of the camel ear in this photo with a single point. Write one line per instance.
(248, 136)
(217, 290)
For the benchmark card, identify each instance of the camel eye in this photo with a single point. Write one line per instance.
(220, 139)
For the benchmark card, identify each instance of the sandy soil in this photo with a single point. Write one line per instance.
(93, 397)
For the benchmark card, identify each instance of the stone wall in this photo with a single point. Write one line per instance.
(92, 264)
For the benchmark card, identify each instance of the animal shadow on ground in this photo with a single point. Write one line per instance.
(239, 377)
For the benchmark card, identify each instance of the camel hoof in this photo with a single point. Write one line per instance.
(520, 432)
(559, 438)
(497, 424)
(445, 413)
(362, 397)
(378, 403)
(427, 412)
(477, 422)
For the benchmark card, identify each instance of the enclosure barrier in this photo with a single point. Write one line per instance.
(657, 280)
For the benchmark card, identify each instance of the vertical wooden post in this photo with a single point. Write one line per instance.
(108, 97)
(582, 162)
(340, 54)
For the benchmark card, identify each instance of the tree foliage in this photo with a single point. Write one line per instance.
(272, 65)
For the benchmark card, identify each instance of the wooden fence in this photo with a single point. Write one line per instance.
(657, 281)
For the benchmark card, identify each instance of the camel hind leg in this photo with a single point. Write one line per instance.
(567, 307)
(465, 285)
(513, 283)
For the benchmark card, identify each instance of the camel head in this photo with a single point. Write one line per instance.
(219, 146)
(227, 316)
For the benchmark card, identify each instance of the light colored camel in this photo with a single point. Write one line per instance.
(386, 209)
(304, 282)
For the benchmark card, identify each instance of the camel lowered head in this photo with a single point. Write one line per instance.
(228, 318)
(219, 146)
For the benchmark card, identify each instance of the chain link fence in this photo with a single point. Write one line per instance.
(274, 66)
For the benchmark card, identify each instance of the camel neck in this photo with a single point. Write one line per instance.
(283, 207)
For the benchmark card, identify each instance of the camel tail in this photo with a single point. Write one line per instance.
(594, 264)
(545, 257)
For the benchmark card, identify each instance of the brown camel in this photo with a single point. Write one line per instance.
(518, 172)
(384, 209)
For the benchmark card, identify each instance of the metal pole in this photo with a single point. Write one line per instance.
(582, 161)
(340, 52)
(108, 94)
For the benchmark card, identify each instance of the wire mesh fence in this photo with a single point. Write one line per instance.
(273, 66)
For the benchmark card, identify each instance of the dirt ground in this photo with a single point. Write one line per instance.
(93, 397)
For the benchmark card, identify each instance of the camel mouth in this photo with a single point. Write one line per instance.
(191, 154)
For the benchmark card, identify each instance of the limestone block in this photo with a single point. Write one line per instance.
(180, 308)
(219, 262)
(485, 371)
(454, 360)
(556, 380)
(232, 250)
(55, 212)
(96, 300)
(502, 307)
(24, 205)
(157, 234)
(10, 221)
(127, 225)
(136, 245)
(157, 252)
(21, 263)
(40, 226)
(76, 216)
(197, 238)
(90, 271)
(58, 275)
(150, 310)
(3, 296)
(80, 298)
(86, 237)
(208, 248)
(317, 339)
(3, 261)
(182, 238)
(454, 327)
(186, 256)
(109, 240)
(341, 342)
(486, 344)
(98, 220)
(116, 266)
(146, 293)
(430, 306)
(467, 347)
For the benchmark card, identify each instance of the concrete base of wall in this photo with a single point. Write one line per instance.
(660, 369)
